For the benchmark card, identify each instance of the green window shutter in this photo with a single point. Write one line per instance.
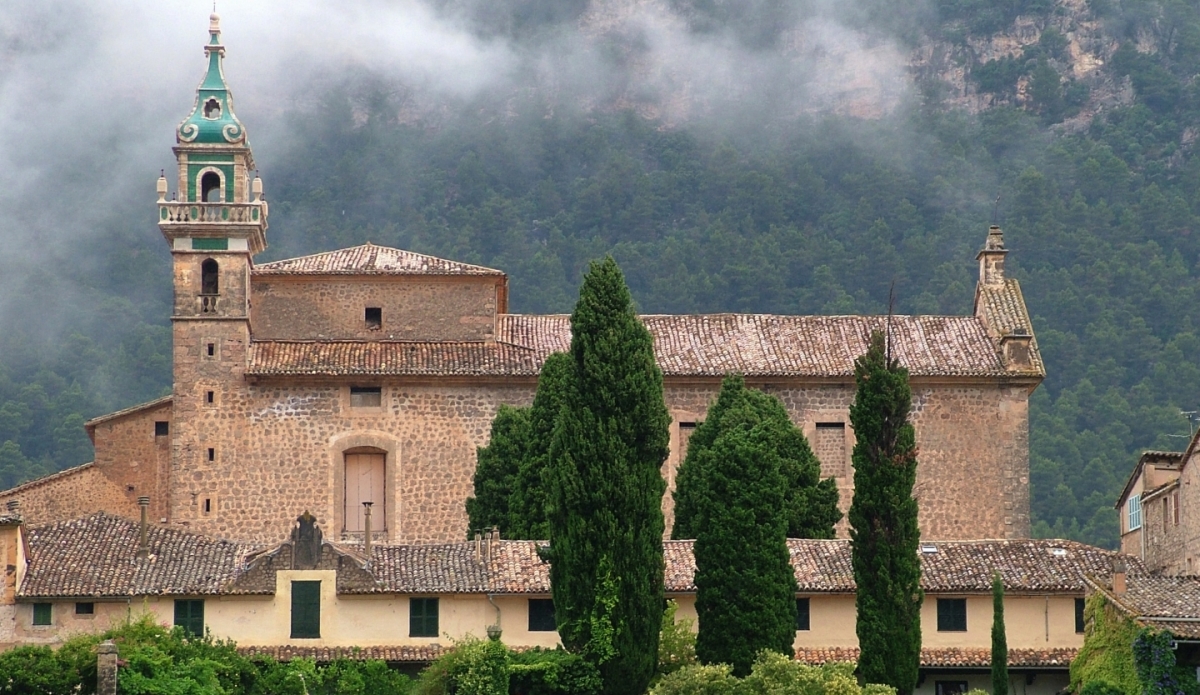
(306, 610)
(952, 615)
(189, 615)
(41, 614)
(422, 617)
(207, 244)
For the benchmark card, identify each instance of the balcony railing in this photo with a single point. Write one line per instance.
(211, 213)
(208, 303)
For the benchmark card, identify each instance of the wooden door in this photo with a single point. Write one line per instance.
(364, 483)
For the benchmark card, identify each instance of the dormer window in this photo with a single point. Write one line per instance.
(212, 109)
(210, 187)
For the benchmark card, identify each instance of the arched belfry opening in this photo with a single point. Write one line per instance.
(210, 187)
(209, 274)
(212, 109)
(365, 478)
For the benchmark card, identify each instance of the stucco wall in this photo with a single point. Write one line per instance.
(413, 308)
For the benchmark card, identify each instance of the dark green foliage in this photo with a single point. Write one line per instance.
(883, 522)
(746, 589)
(528, 502)
(1154, 658)
(810, 503)
(606, 524)
(999, 639)
(552, 672)
(496, 471)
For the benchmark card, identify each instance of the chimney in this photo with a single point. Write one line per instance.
(143, 542)
(991, 259)
(1015, 347)
(367, 529)
(478, 547)
(1118, 576)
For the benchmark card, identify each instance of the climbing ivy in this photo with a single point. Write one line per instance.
(1154, 659)
(1107, 653)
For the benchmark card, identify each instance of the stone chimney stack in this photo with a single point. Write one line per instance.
(143, 549)
(478, 547)
(991, 259)
(367, 529)
(1118, 577)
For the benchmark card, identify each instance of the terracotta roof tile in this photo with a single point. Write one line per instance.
(422, 653)
(334, 358)
(948, 657)
(1169, 603)
(1003, 310)
(449, 567)
(370, 259)
(95, 556)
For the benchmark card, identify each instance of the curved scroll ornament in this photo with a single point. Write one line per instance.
(233, 132)
(188, 132)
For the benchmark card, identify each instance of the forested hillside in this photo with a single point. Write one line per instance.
(1093, 175)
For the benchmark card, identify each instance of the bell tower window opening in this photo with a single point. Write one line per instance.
(209, 286)
(210, 187)
(212, 109)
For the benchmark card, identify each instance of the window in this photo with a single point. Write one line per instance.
(541, 615)
(212, 109)
(162, 429)
(952, 615)
(207, 506)
(1079, 625)
(1134, 511)
(802, 614)
(306, 610)
(210, 187)
(212, 454)
(422, 617)
(211, 348)
(209, 397)
(1166, 511)
(364, 483)
(189, 615)
(41, 614)
(366, 396)
(829, 444)
(1175, 506)
(950, 687)
(374, 318)
(210, 277)
(85, 608)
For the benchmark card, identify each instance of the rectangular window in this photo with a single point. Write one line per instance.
(802, 614)
(306, 610)
(1175, 506)
(541, 615)
(85, 608)
(212, 454)
(950, 687)
(42, 614)
(374, 318)
(1079, 603)
(209, 397)
(366, 396)
(422, 617)
(1166, 509)
(189, 615)
(212, 349)
(210, 244)
(952, 615)
(162, 429)
(1134, 512)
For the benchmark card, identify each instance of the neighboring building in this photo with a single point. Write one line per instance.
(310, 596)
(1154, 483)
(373, 374)
(1160, 602)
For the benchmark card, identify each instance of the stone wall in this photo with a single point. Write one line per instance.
(72, 493)
(134, 459)
(413, 308)
(1184, 558)
(1163, 532)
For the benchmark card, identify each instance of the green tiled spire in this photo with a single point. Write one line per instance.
(212, 120)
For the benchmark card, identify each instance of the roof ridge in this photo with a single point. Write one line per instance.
(36, 482)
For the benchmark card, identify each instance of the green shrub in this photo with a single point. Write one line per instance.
(696, 679)
(771, 674)
(552, 672)
(676, 642)
(473, 667)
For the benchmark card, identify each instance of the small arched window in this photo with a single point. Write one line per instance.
(212, 109)
(208, 277)
(210, 187)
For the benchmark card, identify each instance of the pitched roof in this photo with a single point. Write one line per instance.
(132, 410)
(1168, 459)
(370, 259)
(948, 657)
(184, 563)
(95, 557)
(712, 345)
(1168, 603)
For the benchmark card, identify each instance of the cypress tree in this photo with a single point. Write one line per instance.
(605, 503)
(810, 503)
(999, 639)
(746, 589)
(883, 522)
(528, 501)
(496, 469)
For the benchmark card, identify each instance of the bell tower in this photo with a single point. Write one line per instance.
(215, 221)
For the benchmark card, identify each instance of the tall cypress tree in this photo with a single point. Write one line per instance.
(746, 588)
(606, 488)
(528, 500)
(999, 639)
(496, 469)
(883, 522)
(810, 503)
